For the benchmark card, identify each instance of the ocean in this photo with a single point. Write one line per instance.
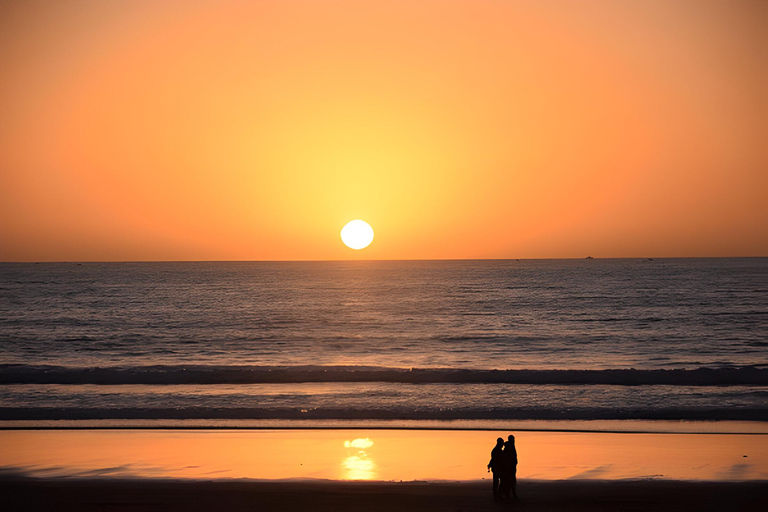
(602, 339)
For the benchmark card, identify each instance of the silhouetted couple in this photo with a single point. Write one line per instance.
(503, 464)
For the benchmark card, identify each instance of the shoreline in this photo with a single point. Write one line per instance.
(692, 427)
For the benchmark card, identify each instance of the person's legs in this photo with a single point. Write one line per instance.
(495, 485)
(505, 485)
(513, 486)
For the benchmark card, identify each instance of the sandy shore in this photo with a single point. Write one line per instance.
(20, 494)
(377, 455)
(372, 470)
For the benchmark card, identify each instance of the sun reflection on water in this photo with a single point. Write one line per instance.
(358, 465)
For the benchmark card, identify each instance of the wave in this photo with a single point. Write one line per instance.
(393, 413)
(193, 374)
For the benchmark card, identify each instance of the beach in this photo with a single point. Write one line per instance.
(391, 455)
(382, 256)
(386, 469)
(383, 386)
(150, 495)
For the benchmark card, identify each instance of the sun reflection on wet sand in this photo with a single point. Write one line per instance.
(358, 465)
(395, 455)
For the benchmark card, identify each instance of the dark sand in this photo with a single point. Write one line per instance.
(64, 495)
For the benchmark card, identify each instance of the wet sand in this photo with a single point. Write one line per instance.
(21, 494)
(380, 455)
(371, 470)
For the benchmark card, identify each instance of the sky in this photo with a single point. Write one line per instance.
(254, 130)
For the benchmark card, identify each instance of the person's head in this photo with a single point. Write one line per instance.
(499, 442)
(511, 439)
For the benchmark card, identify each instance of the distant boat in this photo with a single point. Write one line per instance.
(590, 258)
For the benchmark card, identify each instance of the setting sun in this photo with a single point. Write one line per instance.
(357, 234)
(571, 257)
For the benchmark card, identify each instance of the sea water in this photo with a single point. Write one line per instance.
(394, 340)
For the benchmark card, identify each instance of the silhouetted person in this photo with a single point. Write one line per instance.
(496, 465)
(509, 471)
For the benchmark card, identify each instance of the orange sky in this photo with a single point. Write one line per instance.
(196, 130)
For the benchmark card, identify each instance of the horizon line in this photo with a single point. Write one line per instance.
(586, 258)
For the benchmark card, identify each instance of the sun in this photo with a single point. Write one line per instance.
(357, 234)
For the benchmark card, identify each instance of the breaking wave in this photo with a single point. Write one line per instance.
(394, 413)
